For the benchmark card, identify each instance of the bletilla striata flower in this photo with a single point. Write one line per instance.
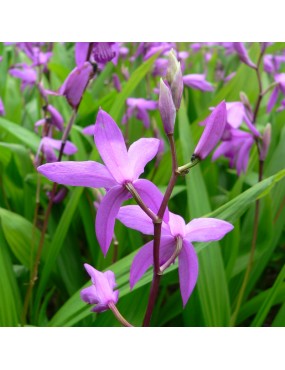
(173, 232)
(139, 108)
(121, 168)
(101, 292)
(48, 146)
(215, 125)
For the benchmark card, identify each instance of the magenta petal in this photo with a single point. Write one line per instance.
(140, 153)
(89, 130)
(81, 51)
(251, 126)
(56, 117)
(89, 295)
(151, 196)
(111, 146)
(176, 224)
(188, 270)
(106, 215)
(242, 53)
(243, 155)
(89, 173)
(197, 81)
(213, 131)
(135, 218)
(76, 83)
(144, 258)
(235, 113)
(272, 100)
(69, 148)
(206, 229)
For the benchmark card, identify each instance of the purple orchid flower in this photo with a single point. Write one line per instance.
(47, 146)
(56, 119)
(280, 87)
(197, 81)
(2, 109)
(122, 167)
(237, 114)
(197, 230)
(236, 148)
(139, 108)
(101, 292)
(243, 55)
(148, 49)
(215, 125)
(25, 73)
(101, 52)
(75, 84)
(236, 144)
(272, 63)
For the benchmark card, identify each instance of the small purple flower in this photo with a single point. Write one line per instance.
(280, 87)
(237, 114)
(47, 146)
(101, 292)
(25, 73)
(101, 52)
(197, 81)
(139, 108)
(272, 63)
(197, 230)
(236, 148)
(56, 117)
(122, 167)
(243, 55)
(215, 125)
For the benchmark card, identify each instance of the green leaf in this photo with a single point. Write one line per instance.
(21, 236)
(58, 240)
(11, 305)
(269, 301)
(25, 136)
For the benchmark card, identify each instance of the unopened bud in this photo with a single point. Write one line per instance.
(175, 79)
(266, 138)
(166, 108)
(246, 103)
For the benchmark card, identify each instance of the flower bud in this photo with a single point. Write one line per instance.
(215, 125)
(266, 138)
(166, 108)
(175, 79)
(76, 83)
